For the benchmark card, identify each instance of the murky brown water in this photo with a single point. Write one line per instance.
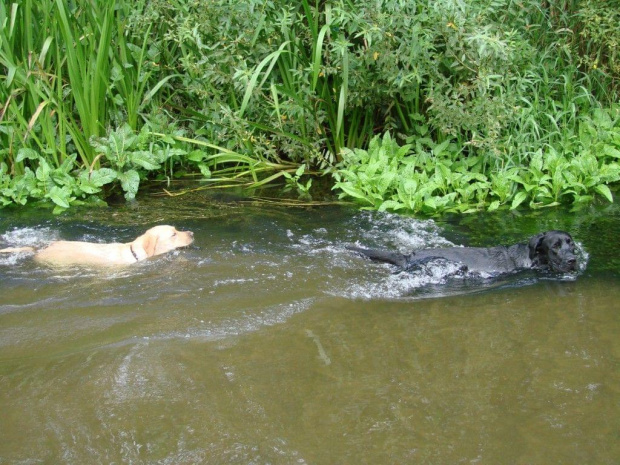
(268, 343)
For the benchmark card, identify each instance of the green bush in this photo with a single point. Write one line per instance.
(234, 88)
(432, 178)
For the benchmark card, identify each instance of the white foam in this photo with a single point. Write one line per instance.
(404, 283)
(403, 233)
(28, 237)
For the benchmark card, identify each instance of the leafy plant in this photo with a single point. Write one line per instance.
(60, 186)
(389, 177)
(293, 182)
(431, 179)
(129, 154)
(503, 104)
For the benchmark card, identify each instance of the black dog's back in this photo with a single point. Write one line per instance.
(477, 259)
(394, 258)
(553, 249)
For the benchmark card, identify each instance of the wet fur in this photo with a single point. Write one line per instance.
(554, 250)
(155, 241)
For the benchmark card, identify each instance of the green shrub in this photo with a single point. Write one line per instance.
(234, 88)
(431, 178)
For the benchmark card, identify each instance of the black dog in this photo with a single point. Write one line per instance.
(553, 250)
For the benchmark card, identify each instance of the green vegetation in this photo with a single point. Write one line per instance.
(426, 106)
(432, 178)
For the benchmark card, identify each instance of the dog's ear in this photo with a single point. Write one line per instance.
(146, 244)
(534, 245)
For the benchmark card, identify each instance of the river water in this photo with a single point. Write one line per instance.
(267, 342)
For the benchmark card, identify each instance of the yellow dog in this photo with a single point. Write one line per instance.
(155, 241)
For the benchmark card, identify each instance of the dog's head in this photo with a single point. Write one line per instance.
(553, 249)
(161, 239)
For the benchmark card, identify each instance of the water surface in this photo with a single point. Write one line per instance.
(266, 342)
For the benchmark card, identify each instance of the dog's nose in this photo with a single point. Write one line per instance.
(572, 262)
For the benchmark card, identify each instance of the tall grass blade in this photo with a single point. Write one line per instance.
(342, 101)
(318, 53)
(269, 61)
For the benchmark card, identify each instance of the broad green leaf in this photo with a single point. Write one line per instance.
(67, 164)
(60, 196)
(611, 151)
(101, 146)
(300, 171)
(610, 173)
(43, 171)
(144, 159)
(421, 129)
(58, 210)
(130, 182)
(438, 150)
(605, 192)
(390, 205)
(196, 155)
(518, 200)
(61, 178)
(352, 192)
(431, 202)
(536, 162)
(26, 154)
(602, 118)
(204, 170)
(494, 206)
(102, 176)
(87, 186)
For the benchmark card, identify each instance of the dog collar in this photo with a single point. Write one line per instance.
(134, 253)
